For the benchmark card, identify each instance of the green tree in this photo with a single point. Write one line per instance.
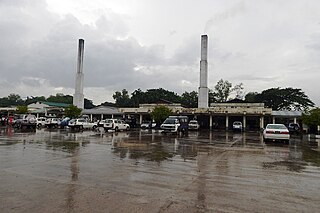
(154, 96)
(21, 109)
(72, 111)
(282, 99)
(212, 97)
(88, 104)
(32, 99)
(238, 89)
(190, 100)
(223, 90)
(138, 97)
(61, 98)
(251, 97)
(160, 113)
(312, 117)
(122, 98)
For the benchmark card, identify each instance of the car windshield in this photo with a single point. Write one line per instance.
(237, 123)
(275, 126)
(170, 121)
(193, 122)
(108, 121)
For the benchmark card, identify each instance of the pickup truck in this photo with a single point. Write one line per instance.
(81, 124)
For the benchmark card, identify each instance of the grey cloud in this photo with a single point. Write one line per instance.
(227, 14)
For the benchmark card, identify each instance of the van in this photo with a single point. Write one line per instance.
(175, 124)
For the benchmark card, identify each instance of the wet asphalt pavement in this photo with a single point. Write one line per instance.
(146, 171)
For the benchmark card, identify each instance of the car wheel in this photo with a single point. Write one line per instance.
(81, 127)
(128, 128)
(116, 129)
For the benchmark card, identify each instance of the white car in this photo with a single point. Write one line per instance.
(148, 125)
(82, 123)
(276, 132)
(115, 124)
(41, 121)
(237, 126)
(193, 125)
(52, 122)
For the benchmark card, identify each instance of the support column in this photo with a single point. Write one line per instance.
(101, 117)
(273, 120)
(91, 117)
(295, 120)
(227, 122)
(140, 121)
(112, 116)
(210, 122)
(244, 123)
(261, 122)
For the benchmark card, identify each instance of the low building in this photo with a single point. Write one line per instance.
(47, 109)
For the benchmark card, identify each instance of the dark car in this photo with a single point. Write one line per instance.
(294, 128)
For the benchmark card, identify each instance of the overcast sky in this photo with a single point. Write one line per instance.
(148, 44)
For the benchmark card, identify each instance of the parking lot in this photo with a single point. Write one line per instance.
(146, 171)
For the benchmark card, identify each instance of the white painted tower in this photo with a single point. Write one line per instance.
(78, 97)
(203, 97)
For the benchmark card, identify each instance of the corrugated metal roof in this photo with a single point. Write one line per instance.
(285, 113)
(55, 104)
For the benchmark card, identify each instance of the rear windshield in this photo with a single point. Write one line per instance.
(274, 126)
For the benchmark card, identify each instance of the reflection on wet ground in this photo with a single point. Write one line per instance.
(146, 171)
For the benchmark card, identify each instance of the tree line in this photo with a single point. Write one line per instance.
(16, 100)
(275, 98)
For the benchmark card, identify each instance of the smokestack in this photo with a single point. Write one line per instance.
(203, 97)
(78, 98)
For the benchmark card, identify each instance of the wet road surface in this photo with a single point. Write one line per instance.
(146, 171)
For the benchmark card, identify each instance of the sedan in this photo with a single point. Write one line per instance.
(276, 132)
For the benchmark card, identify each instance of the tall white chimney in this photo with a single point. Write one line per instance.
(203, 97)
(78, 97)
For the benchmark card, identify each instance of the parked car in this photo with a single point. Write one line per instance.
(175, 124)
(294, 128)
(148, 125)
(52, 123)
(194, 125)
(25, 121)
(41, 121)
(276, 132)
(81, 124)
(64, 122)
(115, 124)
(237, 126)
